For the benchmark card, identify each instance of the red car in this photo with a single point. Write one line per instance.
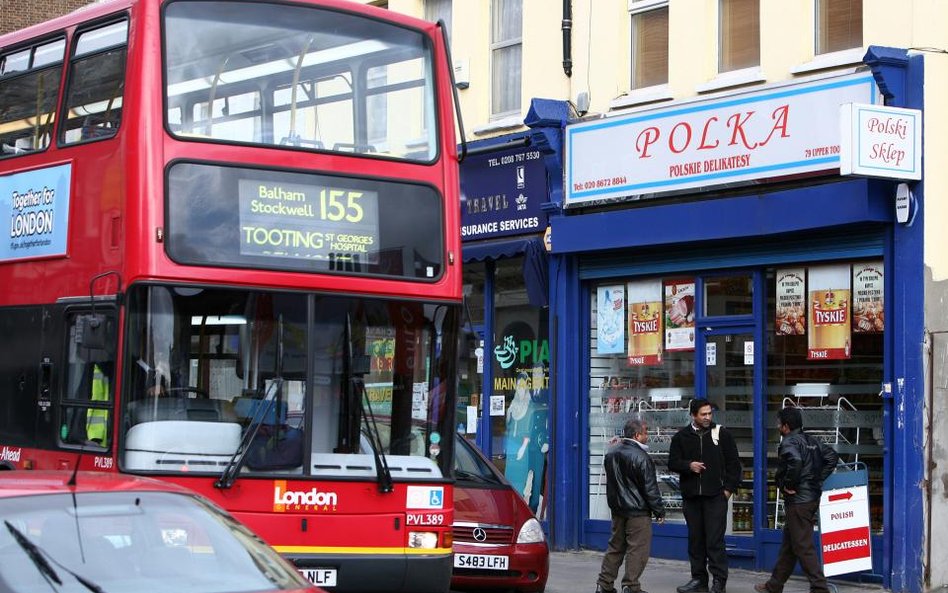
(108, 532)
(498, 543)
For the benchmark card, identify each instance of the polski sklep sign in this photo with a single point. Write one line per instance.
(879, 141)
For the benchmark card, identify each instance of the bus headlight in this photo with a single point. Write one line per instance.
(531, 532)
(422, 539)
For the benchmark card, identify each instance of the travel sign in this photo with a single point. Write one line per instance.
(778, 131)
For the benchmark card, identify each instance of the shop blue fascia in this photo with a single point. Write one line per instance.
(711, 212)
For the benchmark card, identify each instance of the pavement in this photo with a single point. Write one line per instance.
(576, 572)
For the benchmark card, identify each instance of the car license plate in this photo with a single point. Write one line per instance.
(481, 561)
(324, 577)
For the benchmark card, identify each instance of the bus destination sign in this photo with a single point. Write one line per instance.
(317, 222)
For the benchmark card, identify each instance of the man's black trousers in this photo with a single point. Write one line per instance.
(706, 517)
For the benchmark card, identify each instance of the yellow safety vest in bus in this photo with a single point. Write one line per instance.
(97, 420)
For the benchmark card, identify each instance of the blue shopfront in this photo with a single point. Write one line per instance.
(694, 252)
(505, 397)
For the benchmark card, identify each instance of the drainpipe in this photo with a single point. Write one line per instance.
(567, 38)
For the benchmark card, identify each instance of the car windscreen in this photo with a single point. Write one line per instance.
(132, 542)
(471, 467)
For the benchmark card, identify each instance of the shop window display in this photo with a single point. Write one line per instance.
(823, 351)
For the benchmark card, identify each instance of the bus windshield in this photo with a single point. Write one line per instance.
(298, 77)
(299, 384)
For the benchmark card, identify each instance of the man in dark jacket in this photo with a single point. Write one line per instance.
(634, 498)
(706, 459)
(802, 466)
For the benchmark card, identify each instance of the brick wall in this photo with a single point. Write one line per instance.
(17, 14)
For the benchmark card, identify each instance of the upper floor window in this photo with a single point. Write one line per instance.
(506, 49)
(29, 87)
(739, 34)
(439, 10)
(649, 42)
(96, 84)
(838, 25)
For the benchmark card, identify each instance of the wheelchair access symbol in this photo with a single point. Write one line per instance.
(435, 499)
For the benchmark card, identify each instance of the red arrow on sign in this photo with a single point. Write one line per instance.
(844, 496)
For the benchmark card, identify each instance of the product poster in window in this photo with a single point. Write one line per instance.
(791, 302)
(645, 323)
(610, 319)
(680, 314)
(868, 299)
(829, 313)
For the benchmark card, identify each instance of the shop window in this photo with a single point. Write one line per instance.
(649, 42)
(471, 354)
(729, 295)
(739, 34)
(519, 403)
(823, 351)
(838, 393)
(633, 371)
(838, 25)
(506, 47)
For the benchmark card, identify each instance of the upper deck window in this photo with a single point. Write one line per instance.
(298, 77)
(29, 86)
(96, 84)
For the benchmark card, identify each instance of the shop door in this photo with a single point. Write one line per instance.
(730, 371)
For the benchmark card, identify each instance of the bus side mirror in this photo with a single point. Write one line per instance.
(90, 331)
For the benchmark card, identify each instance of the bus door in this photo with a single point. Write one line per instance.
(85, 379)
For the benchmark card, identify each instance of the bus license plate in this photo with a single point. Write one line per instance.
(324, 577)
(481, 561)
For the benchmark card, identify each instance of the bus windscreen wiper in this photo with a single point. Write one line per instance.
(382, 471)
(39, 558)
(261, 412)
(356, 389)
(229, 475)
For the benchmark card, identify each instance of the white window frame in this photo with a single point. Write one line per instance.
(732, 78)
(637, 7)
(496, 45)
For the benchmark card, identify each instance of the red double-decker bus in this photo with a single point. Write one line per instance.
(233, 263)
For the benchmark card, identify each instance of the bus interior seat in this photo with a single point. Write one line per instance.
(248, 409)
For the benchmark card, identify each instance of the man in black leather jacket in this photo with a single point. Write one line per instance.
(803, 465)
(634, 498)
(706, 458)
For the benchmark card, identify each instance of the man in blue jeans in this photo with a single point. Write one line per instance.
(803, 464)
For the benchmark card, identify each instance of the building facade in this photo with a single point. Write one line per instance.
(664, 206)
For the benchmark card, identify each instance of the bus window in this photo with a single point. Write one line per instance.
(86, 411)
(96, 82)
(29, 86)
(319, 79)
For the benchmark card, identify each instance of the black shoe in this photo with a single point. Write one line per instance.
(694, 586)
(718, 587)
(599, 589)
(628, 589)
